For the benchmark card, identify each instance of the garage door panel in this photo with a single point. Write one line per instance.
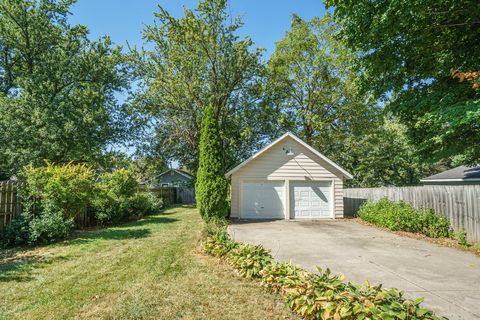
(312, 200)
(262, 200)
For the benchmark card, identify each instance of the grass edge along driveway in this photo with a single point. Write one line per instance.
(148, 269)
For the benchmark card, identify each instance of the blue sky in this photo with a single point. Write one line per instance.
(266, 21)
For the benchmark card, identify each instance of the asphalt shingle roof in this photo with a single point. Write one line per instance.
(459, 173)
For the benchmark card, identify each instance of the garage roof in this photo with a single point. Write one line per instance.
(300, 141)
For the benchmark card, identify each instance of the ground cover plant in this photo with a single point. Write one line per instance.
(320, 295)
(145, 269)
(402, 216)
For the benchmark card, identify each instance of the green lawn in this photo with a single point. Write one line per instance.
(149, 269)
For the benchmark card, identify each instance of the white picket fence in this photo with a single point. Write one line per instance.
(459, 204)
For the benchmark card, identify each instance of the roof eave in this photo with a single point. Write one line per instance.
(343, 172)
(449, 180)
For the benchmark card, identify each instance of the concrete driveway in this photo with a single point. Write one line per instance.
(448, 279)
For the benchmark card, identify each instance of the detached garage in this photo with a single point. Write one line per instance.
(288, 179)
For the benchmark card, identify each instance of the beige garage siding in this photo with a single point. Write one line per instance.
(274, 164)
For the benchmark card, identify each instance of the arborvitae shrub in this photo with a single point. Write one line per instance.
(211, 188)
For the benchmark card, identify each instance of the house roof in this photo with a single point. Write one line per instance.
(462, 173)
(300, 141)
(180, 172)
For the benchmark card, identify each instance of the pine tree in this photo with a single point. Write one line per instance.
(211, 186)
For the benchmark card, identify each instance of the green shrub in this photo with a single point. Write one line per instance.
(117, 198)
(318, 295)
(211, 188)
(404, 217)
(64, 188)
(51, 225)
(51, 196)
(144, 203)
(17, 232)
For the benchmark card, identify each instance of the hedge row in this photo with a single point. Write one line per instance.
(54, 194)
(402, 216)
(315, 295)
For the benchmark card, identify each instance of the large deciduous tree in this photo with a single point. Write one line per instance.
(195, 61)
(407, 52)
(56, 86)
(312, 82)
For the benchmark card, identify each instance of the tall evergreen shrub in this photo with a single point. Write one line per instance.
(211, 186)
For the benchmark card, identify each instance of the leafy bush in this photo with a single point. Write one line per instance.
(403, 216)
(117, 198)
(144, 203)
(211, 187)
(51, 196)
(17, 232)
(49, 226)
(318, 295)
(64, 188)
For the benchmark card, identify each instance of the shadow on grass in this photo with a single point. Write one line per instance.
(173, 209)
(17, 264)
(148, 220)
(19, 268)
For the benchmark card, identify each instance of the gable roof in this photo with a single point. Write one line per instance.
(300, 141)
(180, 172)
(462, 173)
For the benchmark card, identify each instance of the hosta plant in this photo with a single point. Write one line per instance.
(319, 295)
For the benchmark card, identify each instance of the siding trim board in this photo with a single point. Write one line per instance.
(300, 164)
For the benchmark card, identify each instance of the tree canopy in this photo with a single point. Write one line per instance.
(407, 51)
(314, 87)
(57, 88)
(311, 83)
(198, 60)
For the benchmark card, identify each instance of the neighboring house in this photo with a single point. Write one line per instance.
(462, 175)
(288, 179)
(172, 178)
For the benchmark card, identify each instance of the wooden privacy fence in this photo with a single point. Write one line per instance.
(185, 195)
(459, 204)
(171, 195)
(9, 204)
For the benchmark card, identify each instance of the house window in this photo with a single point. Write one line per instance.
(164, 184)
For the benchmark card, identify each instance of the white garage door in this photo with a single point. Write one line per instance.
(262, 200)
(312, 200)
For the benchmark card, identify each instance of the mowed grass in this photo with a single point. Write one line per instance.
(149, 269)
